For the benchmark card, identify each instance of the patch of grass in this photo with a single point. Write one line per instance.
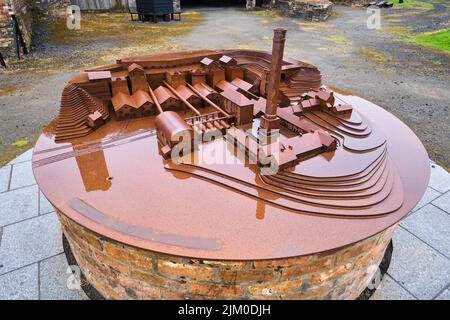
(314, 26)
(413, 4)
(394, 19)
(266, 13)
(373, 55)
(8, 91)
(118, 27)
(402, 31)
(10, 152)
(21, 143)
(438, 40)
(267, 39)
(242, 46)
(339, 39)
(334, 15)
(268, 16)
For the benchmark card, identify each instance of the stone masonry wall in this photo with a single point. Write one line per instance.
(314, 10)
(48, 6)
(356, 3)
(22, 10)
(6, 38)
(119, 271)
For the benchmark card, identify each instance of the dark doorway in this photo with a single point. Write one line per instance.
(213, 3)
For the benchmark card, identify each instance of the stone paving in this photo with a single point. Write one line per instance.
(33, 264)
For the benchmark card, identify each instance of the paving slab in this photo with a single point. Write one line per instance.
(22, 175)
(57, 282)
(432, 225)
(18, 205)
(44, 205)
(391, 290)
(430, 195)
(26, 156)
(444, 295)
(420, 269)
(5, 174)
(439, 179)
(443, 202)
(22, 284)
(30, 241)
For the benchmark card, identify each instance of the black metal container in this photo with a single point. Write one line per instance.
(154, 7)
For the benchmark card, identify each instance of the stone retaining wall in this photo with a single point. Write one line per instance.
(119, 271)
(314, 10)
(356, 3)
(22, 10)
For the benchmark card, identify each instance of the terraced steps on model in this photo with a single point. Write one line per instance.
(374, 140)
(333, 182)
(320, 117)
(224, 170)
(76, 105)
(372, 186)
(332, 186)
(387, 201)
(344, 165)
(357, 129)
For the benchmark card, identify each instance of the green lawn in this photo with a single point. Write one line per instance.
(438, 40)
(414, 4)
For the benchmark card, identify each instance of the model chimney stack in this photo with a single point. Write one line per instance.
(270, 120)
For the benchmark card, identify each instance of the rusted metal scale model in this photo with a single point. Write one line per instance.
(226, 155)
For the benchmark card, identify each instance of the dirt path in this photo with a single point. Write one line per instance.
(409, 81)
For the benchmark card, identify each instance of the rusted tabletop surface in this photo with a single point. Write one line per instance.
(115, 183)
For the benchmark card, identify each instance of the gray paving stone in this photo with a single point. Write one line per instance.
(18, 205)
(55, 277)
(390, 290)
(430, 195)
(443, 202)
(5, 173)
(22, 175)
(30, 241)
(44, 205)
(26, 156)
(444, 295)
(21, 284)
(440, 178)
(417, 267)
(432, 225)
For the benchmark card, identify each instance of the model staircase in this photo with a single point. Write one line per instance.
(76, 106)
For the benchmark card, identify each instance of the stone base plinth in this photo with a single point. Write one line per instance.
(119, 271)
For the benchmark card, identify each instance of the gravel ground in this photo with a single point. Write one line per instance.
(408, 80)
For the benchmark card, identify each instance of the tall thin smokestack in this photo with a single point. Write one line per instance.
(270, 120)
